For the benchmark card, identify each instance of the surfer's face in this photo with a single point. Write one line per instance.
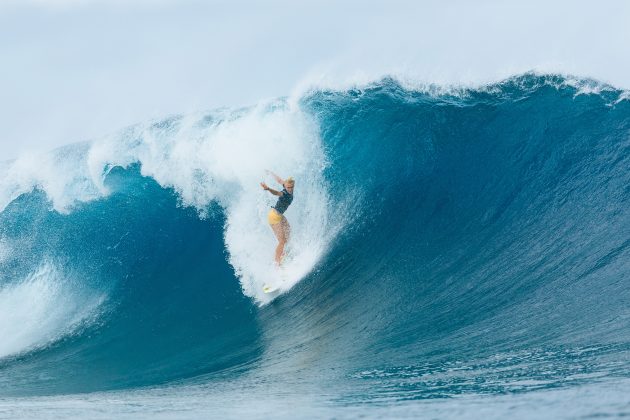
(289, 187)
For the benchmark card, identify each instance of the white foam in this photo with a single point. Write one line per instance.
(43, 307)
(623, 96)
(62, 174)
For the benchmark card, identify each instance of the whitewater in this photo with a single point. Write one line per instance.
(454, 251)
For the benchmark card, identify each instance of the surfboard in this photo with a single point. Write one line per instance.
(282, 274)
(269, 289)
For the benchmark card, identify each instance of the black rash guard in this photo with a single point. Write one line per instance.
(283, 201)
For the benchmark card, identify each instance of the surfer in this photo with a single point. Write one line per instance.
(277, 221)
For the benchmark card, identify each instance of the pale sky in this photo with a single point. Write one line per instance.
(75, 70)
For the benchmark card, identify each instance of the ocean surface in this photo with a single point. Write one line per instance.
(455, 253)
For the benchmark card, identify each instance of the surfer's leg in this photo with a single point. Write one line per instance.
(281, 229)
(286, 227)
(286, 232)
(279, 252)
(278, 230)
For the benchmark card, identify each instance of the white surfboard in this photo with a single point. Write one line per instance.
(282, 274)
(269, 289)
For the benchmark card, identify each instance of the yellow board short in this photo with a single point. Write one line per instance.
(274, 217)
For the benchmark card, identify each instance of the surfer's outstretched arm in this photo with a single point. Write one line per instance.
(271, 190)
(280, 180)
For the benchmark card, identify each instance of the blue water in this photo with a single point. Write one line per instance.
(464, 252)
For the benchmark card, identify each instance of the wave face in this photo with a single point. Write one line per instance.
(444, 242)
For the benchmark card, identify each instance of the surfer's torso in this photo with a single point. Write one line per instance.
(283, 201)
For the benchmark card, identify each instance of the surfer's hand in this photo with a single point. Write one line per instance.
(264, 186)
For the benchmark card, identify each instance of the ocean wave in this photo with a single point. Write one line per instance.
(429, 225)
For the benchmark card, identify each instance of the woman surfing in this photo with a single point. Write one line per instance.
(277, 221)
